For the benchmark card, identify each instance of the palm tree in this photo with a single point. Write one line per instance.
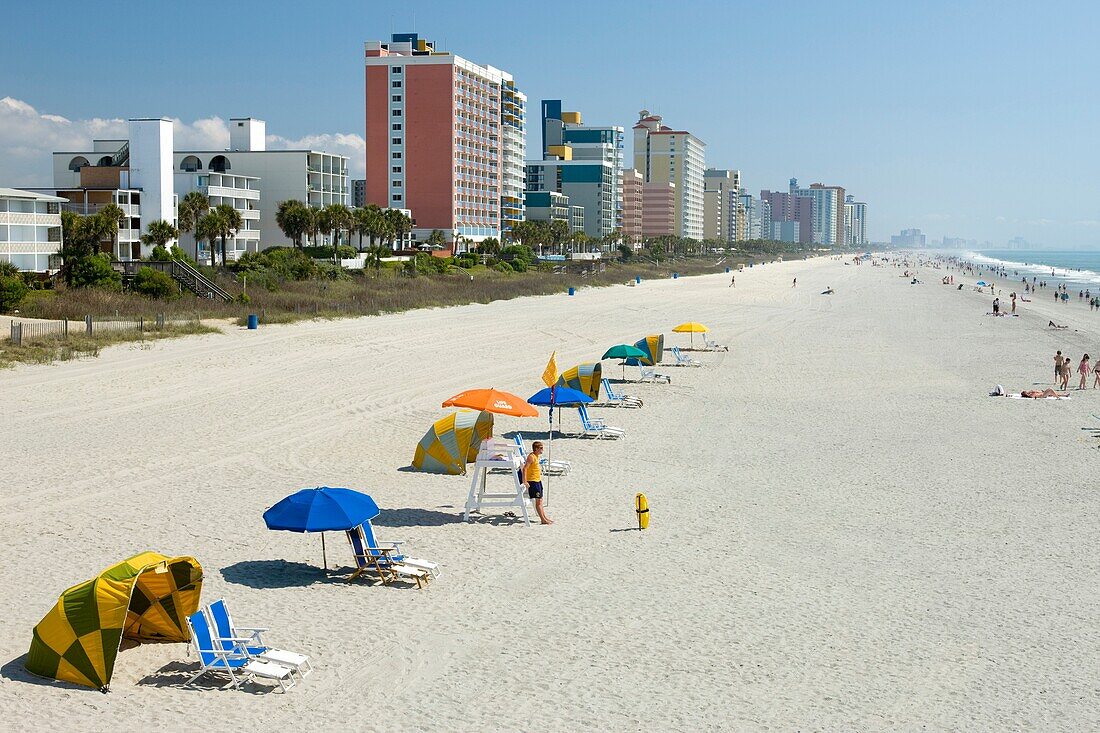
(559, 231)
(194, 206)
(111, 218)
(312, 224)
(378, 224)
(293, 218)
(340, 219)
(207, 228)
(360, 225)
(159, 233)
(230, 222)
(399, 224)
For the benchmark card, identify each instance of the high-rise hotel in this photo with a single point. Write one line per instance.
(445, 138)
(671, 163)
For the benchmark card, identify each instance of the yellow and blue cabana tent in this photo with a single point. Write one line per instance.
(653, 346)
(146, 598)
(583, 378)
(452, 442)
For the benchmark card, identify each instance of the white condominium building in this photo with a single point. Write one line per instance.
(240, 192)
(313, 177)
(30, 229)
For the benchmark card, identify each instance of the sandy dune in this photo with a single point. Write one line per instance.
(847, 533)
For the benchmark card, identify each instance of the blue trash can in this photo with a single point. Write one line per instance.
(253, 321)
(637, 279)
(675, 275)
(727, 269)
(572, 290)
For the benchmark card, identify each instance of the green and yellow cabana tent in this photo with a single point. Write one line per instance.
(452, 442)
(146, 598)
(653, 346)
(583, 378)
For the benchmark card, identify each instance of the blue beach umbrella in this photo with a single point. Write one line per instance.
(982, 284)
(556, 397)
(322, 509)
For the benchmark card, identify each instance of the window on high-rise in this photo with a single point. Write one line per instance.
(395, 69)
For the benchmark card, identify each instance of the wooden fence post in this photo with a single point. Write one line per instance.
(88, 325)
(17, 333)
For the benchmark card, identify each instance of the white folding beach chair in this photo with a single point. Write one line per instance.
(714, 345)
(650, 374)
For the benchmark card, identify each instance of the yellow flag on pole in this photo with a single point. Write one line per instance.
(550, 376)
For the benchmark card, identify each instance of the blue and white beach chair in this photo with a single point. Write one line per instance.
(682, 360)
(235, 663)
(619, 400)
(248, 639)
(596, 428)
(386, 560)
(714, 345)
(554, 468)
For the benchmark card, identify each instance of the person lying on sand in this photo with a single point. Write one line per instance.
(1041, 394)
(1052, 324)
(828, 291)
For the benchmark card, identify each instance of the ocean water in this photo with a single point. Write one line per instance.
(1077, 268)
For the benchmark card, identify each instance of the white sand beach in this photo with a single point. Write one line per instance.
(847, 532)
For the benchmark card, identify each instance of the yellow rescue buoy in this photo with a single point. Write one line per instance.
(641, 508)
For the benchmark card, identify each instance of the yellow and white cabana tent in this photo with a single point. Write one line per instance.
(583, 378)
(146, 598)
(452, 442)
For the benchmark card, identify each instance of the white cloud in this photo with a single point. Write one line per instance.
(28, 137)
(353, 146)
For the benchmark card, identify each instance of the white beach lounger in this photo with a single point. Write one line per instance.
(650, 374)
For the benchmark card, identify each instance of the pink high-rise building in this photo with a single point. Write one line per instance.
(445, 138)
(632, 197)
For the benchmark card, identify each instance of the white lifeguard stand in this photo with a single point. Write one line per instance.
(499, 454)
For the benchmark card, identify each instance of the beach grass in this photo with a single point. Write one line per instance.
(53, 349)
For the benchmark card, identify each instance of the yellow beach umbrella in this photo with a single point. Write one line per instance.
(692, 328)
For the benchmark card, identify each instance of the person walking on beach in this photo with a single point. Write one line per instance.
(1083, 370)
(1013, 296)
(1058, 359)
(1096, 374)
(733, 281)
(794, 282)
(1065, 373)
(532, 479)
(996, 306)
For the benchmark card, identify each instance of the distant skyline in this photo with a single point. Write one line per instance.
(964, 119)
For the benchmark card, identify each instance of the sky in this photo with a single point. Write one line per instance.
(965, 119)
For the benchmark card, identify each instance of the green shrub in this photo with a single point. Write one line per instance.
(155, 284)
(503, 267)
(427, 264)
(467, 260)
(12, 292)
(160, 254)
(180, 255)
(94, 271)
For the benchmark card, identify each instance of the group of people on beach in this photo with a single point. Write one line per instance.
(1062, 373)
